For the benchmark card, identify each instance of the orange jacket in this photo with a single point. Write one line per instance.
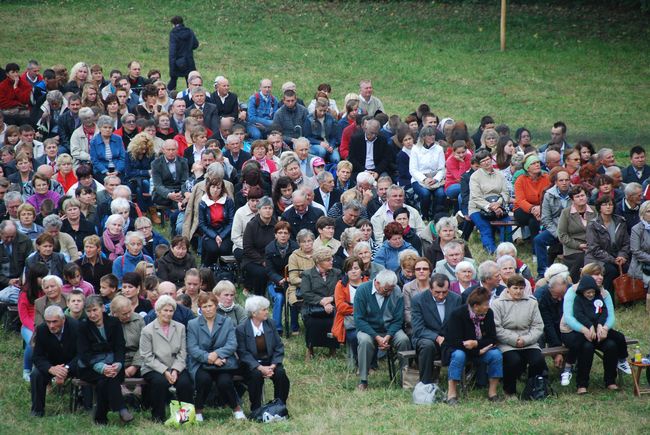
(528, 193)
(344, 308)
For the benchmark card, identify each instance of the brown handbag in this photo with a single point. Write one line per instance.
(628, 289)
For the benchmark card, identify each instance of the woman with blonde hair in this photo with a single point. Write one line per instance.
(90, 97)
(139, 157)
(79, 76)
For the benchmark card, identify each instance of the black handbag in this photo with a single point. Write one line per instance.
(490, 214)
(537, 388)
(318, 312)
(275, 410)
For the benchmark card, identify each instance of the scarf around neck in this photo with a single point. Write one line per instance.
(476, 320)
(114, 244)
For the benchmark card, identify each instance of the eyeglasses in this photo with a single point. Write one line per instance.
(421, 269)
(129, 122)
(148, 227)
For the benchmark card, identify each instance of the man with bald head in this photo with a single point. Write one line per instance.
(553, 159)
(369, 151)
(15, 247)
(262, 106)
(169, 172)
(182, 314)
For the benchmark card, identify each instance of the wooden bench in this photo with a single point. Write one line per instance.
(10, 318)
(78, 384)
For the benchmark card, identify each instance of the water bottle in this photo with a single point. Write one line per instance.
(637, 354)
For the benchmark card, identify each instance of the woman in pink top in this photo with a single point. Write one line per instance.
(74, 280)
(457, 164)
(30, 293)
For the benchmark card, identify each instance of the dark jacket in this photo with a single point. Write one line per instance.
(229, 107)
(68, 123)
(425, 317)
(495, 293)
(91, 346)
(314, 288)
(163, 180)
(247, 348)
(257, 235)
(201, 341)
(317, 132)
(98, 155)
(631, 215)
(149, 248)
(11, 266)
(223, 230)
(182, 43)
(55, 263)
(414, 240)
(286, 120)
(86, 229)
(210, 116)
(584, 312)
(308, 220)
(551, 311)
(182, 314)
(104, 211)
(464, 190)
(243, 157)
(275, 262)
(357, 155)
(460, 328)
(49, 351)
(629, 175)
(138, 168)
(173, 269)
(335, 196)
(600, 247)
(93, 274)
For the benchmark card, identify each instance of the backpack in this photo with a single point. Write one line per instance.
(426, 394)
(274, 410)
(537, 388)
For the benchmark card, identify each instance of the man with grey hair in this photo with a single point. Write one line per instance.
(301, 215)
(209, 110)
(629, 206)
(46, 116)
(488, 277)
(369, 151)
(15, 247)
(262, 106)
(378, 318)
(395, 200)
(169, 172)
(110, 183)
(349, 218)
(104, 209)
(606, 159)
(326, 194)
(12, 200)
(454, 252)
(367, 101)
(55, 355)
(227, 102)
(234, 152)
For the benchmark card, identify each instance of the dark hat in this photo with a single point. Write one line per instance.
(587, 282)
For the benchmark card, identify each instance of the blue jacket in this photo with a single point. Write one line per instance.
(314, 131)
(264, 111)
(374, 320)
(138, 168)
(388, 256)
(98, 154)
(200, 342)
(205, 224)
(157, 240)
(403, 174)
(127, 263)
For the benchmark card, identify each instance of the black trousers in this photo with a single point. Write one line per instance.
(428, 351)
(225, 386)
(39, 381)
(108, 392)
(575, 262)
(527, 220)
(256, 384)
(212, 252)
(514, 364)
(255, 278)
(158, 392)
(585, 351)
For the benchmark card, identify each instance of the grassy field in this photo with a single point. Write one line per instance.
(587, 67)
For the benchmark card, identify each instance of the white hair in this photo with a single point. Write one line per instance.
(254, 304)
(465, 265)
(113, 218)
(120, 204)
(54, 311)
(505, 248)
(132, 234)
(386, 277)
(56, 279)
(504, 259)
(632, 188)
(487, 269)
(364, 177)
(163, 301)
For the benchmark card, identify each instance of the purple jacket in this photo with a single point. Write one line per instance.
(37, 199)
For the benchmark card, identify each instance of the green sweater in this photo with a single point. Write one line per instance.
(374, 320)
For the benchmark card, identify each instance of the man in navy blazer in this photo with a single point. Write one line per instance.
(429, 313)
(638, 171)
(369, 151)
(326, 194)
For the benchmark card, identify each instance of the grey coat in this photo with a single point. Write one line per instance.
(640, 248)
(571, 232)
(161, 352)
(132, 331)
(314, 288)
(200, 342)
(600, 247)
(552, 206)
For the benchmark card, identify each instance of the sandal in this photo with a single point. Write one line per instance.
(582, 391)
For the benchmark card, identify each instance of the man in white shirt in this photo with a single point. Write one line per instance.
(367, 101)
(395, 200)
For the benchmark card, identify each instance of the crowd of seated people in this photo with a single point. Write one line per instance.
(118, 213)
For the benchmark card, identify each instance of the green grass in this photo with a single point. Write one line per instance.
(586, 66)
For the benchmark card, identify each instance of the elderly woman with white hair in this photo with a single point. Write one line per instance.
(127, 262)
(507, 268)
(318, 284)
(465, 277)
(113, 237)
(446, 230)
(122, 207)
(349, 239)
(508, 248)
(107, 150)
(64, 243)
(364, 252)
(261, 351)
(79, 142)
(164, 353)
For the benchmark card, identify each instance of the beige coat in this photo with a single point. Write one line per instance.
(571, 230)
(191, 222)
(68, 246)
(298, 262)
(160, 352)
(483, 184)
(79, 146)
(517, 319)
(41, 304)
(132, 332)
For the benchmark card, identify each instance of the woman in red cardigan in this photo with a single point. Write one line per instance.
(529, 189)
(343, 328)
(26, 299)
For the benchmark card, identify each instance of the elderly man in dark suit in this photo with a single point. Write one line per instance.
(15, 247)
(301, 215)
(169, 172)
(210, 114)
(55, 355)
(369, 151)
(326, 194)
(429, 313)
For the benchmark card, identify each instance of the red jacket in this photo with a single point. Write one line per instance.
(10, 97)
(456, 169)
(344, 148)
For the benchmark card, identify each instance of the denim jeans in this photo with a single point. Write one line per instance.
(254, 132)
(27, 333)
(453, 192)
(484, 227)
(277, 296)
(333, 157)
(492, 358)
(426, 196)
(541, 242)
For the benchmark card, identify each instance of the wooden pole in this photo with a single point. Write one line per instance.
(503, 25)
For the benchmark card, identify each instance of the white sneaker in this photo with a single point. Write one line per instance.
(26, 375)
(565, 378)
(199, 418)
(239, 415)
(624, 366)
